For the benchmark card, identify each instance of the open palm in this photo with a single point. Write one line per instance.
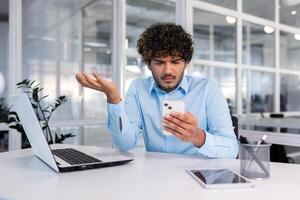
(100, 84)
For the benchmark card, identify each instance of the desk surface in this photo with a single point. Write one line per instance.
(149, 176)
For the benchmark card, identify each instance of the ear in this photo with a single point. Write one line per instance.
(185, 67)
(186, 64)
(148, 65)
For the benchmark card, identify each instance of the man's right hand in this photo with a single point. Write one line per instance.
(100, 84)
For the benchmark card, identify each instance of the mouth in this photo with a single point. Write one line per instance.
(168, 79)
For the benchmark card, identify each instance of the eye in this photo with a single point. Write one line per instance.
(175, 62)
(158, 63)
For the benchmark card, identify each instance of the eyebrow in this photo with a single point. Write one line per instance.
(158, 60)
(176, 59)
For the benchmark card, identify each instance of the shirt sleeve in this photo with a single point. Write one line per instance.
(220, 141)
(127, 113)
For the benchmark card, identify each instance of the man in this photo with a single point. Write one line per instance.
(205, 129)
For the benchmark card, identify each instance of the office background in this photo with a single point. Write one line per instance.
(249, 47)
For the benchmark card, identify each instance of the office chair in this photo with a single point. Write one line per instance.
(235, 124)
(278, 152)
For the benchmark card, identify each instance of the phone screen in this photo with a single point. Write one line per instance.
(218, 176)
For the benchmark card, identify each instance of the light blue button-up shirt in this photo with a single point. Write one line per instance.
(141, 113)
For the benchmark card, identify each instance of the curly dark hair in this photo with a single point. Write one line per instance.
(165, 39)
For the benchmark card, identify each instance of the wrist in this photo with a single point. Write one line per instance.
(200, 138)
(113, 100)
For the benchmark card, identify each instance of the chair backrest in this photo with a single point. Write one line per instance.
(235, 124)
(276, 115)
(278, 152)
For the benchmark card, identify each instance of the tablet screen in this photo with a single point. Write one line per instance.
(218, 176)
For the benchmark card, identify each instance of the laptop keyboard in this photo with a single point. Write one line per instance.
(74, 157)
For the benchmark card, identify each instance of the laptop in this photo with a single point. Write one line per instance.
(60, 160)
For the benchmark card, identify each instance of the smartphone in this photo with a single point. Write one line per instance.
(170, 106)
(220, 179)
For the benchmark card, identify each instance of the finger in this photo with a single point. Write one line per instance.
(86, 81)
(190, 115)
(171, 130)
(102, 81)
(92, 82)
(88, 78)
(179, 116)
(176, 127)
(182, 117)
(81, 79)
(98, 77)
(187, 117)
(172, 120)
(187, 129)
(174, 132)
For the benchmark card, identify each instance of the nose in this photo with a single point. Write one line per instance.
(168, 68)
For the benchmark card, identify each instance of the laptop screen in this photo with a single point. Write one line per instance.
(33, 130)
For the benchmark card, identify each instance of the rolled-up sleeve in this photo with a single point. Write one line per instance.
(124, 127)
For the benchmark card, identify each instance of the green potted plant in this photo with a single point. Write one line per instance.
(43, 110)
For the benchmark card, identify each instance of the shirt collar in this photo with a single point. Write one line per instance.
(183, 86)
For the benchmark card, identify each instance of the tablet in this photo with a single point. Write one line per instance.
(220, 179)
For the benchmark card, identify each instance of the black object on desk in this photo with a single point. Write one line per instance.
(277, 151)
(276, 115)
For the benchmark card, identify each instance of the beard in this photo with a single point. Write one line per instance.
(161, 83)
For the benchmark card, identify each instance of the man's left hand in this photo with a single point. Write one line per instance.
(184, 127)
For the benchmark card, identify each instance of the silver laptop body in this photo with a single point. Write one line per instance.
(40, 147)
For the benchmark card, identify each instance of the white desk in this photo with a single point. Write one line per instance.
(150, 176)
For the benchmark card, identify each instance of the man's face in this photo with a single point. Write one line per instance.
(167, 72)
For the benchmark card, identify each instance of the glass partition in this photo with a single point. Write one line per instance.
(258, 45)
(3, 58)
(289, 92)
(289, 50)
(231, 4)
(97, 41)
(258, 92)
(259, 8)
(52, 48)
(93, 135)
(226, 79)
(141, 14)
(201, 71)
(214, 36)
(135, 68)
(4, 66)
(289, 13)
